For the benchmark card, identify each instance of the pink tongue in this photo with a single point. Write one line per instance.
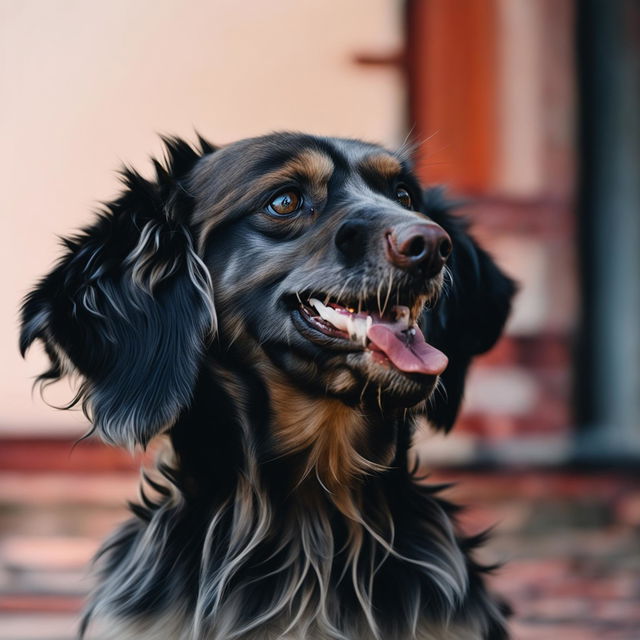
(414, 356)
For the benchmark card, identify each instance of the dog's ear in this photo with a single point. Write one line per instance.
(129, 306)
(470, 315)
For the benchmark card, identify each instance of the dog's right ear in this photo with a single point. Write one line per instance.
(470, 315)
(130, 306)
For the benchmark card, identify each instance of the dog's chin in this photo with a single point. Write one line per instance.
(385, 385)
(355, 374)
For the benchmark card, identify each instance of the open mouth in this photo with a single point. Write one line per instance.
(393, 338)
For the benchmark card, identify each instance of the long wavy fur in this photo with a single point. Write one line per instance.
(282, 504)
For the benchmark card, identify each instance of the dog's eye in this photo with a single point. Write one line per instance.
(285, 203)
(403, 197)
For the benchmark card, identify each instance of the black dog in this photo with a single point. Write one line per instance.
(265, 305)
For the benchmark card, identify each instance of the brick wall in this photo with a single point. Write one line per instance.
(515, 161)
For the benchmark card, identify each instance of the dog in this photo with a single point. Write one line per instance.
(281, 311)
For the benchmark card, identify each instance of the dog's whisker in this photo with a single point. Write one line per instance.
(386, 300)
(442, 390)
(364, 388)
(344, 286)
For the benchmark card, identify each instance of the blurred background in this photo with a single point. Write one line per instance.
(530, 109)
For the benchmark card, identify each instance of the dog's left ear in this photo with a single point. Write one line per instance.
(129, 306)
(471, 313)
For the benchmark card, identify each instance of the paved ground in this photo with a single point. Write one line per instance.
(570, 542)
(571, 547)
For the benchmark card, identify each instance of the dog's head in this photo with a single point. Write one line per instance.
(316, 260)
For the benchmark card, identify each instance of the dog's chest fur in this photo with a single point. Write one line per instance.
(173, 627)
(330, 549)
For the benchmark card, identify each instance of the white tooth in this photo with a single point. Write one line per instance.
(356, 327)
(332, 316)
(363, 327)
(351, 329)
(360, 330)
(338, 320)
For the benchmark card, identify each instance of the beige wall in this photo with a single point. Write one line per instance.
(85, 86)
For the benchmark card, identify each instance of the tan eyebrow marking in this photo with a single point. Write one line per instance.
(382, 164)
(317, 166)
(310, 164)
(313, 165)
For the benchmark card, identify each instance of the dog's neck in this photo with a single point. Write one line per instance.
(337, 445)
(308, 445)
(299, 500)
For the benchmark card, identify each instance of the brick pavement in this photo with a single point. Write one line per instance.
(569, 541)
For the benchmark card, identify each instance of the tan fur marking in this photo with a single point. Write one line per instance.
(343, 381)
(315, 166)
(312, 165)
(382, 163)
(330, 432)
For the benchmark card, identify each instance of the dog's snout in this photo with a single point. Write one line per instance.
(426, 246)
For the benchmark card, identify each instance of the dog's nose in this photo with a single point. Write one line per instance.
(424, 245)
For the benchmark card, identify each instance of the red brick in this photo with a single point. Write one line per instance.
(40, 604)
(46, 553)
(67, 488)
(628, 509)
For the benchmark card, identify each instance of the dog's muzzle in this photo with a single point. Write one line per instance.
(393, 338)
